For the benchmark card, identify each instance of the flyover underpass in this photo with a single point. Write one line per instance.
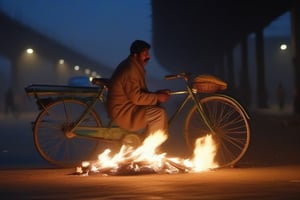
(198, 35)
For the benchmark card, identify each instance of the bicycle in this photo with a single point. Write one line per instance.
(68, 129)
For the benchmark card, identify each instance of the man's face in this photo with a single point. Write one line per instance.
(143, 57)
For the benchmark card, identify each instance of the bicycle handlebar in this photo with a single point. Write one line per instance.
(183, 75)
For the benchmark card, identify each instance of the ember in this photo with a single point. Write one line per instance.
(145, 159)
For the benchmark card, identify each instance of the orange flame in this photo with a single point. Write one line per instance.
(202, 159)
(204, 154)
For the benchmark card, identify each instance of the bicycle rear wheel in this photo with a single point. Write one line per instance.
(52, 139)
(228, 120)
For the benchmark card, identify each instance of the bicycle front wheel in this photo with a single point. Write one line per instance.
(53, 140)
(230, 125)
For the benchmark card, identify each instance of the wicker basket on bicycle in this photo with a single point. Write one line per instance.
(208, 84)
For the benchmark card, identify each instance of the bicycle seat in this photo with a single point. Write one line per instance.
(101, 82)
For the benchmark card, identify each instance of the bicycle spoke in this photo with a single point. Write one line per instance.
(51, 137)
(228, 122)
(226, 154)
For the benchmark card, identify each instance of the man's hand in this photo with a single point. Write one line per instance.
(163, 95)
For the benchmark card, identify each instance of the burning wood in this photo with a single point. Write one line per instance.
(180, 167)
(135, 168)
(144, 159)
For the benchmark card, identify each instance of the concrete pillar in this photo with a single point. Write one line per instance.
(262, 97)
(295, 22)
(230, 70)
(244, 90)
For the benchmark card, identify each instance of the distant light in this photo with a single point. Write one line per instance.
(87, 71)
(283, 47)
(29, 51)
(61, 61)
(94, 74)
(91, 78)
(76, 68)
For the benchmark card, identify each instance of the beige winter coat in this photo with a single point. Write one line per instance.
(128, 94)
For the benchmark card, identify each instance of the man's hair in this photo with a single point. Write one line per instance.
(138, 46)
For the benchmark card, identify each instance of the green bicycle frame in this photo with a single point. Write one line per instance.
(190, 96)
(90, 107)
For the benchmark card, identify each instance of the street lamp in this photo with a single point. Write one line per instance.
(29, 51)
(87, 71)
(61, 61)
(283, 47)
(76, 68)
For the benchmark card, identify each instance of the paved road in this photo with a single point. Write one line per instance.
(238, 183)
(269, 170)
